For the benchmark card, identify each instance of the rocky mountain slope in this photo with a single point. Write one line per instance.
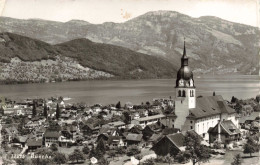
(23, 59)
(213, 45)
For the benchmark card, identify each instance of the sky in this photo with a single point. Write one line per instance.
(99, 11)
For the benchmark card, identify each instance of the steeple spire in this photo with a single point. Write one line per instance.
(184, 49)
(184, 59)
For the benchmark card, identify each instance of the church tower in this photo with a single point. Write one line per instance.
(185, 88)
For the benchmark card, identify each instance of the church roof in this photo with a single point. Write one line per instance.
(210, 106)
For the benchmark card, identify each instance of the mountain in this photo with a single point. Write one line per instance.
(214, 45)
(23, 59)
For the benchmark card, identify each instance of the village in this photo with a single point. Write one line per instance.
(38, 126)
(184, 129)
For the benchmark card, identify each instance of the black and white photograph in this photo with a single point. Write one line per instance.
(129, 82)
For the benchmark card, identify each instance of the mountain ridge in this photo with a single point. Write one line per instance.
(214, 45)
(77, 59)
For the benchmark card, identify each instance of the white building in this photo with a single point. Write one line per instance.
(201, 113)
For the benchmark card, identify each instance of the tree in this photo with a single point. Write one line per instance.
(196, 151)
(237, 160)
(54, 147)
(22, 161)
(38, 161)
(238, 108)
(58, 112)
(45, 110)
(257, 108)
(112, 154)
(258, 98)
(54, 126)
(101, 147)
(234, 99)
(250, 147)
(127, 117)
(169, 159)
(103, 161)
(133, 150)
(182, 157)
(59, 158)
(139, 157)
(85, 150)
(120, 150)
(118, 105)
(149, 162)
(77, 156)
(34, 109)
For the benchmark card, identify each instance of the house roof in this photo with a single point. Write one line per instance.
(116, 123)
(135, 129)
(106, 130)
(165, 122)
(150, 117)
(154, 127)
(51, 134)
(177, 139)
(114, 139)
(22, 139)
(134, 137)
(155, 137)
(34, 142)
(210, 106)
(251, 117)
(9, 130)
(90, 126)
(227, 126)
(192, 132)
(168, 131)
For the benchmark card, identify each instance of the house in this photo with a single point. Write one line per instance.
(34, 144)
(133, 139)
(9, 133)
(89, 129)
(129, 105)
(115, 141)
(225, 131)
(137, 129)
(39, 132)
(248, 119)
(109, 131)
(20, 140)
(142, 112)
(67, 135)
(147, 120)
(169, 144)
(116, 112)
(51, 137)
(154, 139)
(167, 131)
(116, 124)
(151, 129)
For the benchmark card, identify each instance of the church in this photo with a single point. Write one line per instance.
(203, 113)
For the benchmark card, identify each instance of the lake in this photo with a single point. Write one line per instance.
(135, 91)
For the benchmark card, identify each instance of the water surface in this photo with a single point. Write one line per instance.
(135, 91)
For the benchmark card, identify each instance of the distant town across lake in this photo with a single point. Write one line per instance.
(135, 91)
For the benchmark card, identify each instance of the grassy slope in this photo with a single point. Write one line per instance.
(119, 61)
